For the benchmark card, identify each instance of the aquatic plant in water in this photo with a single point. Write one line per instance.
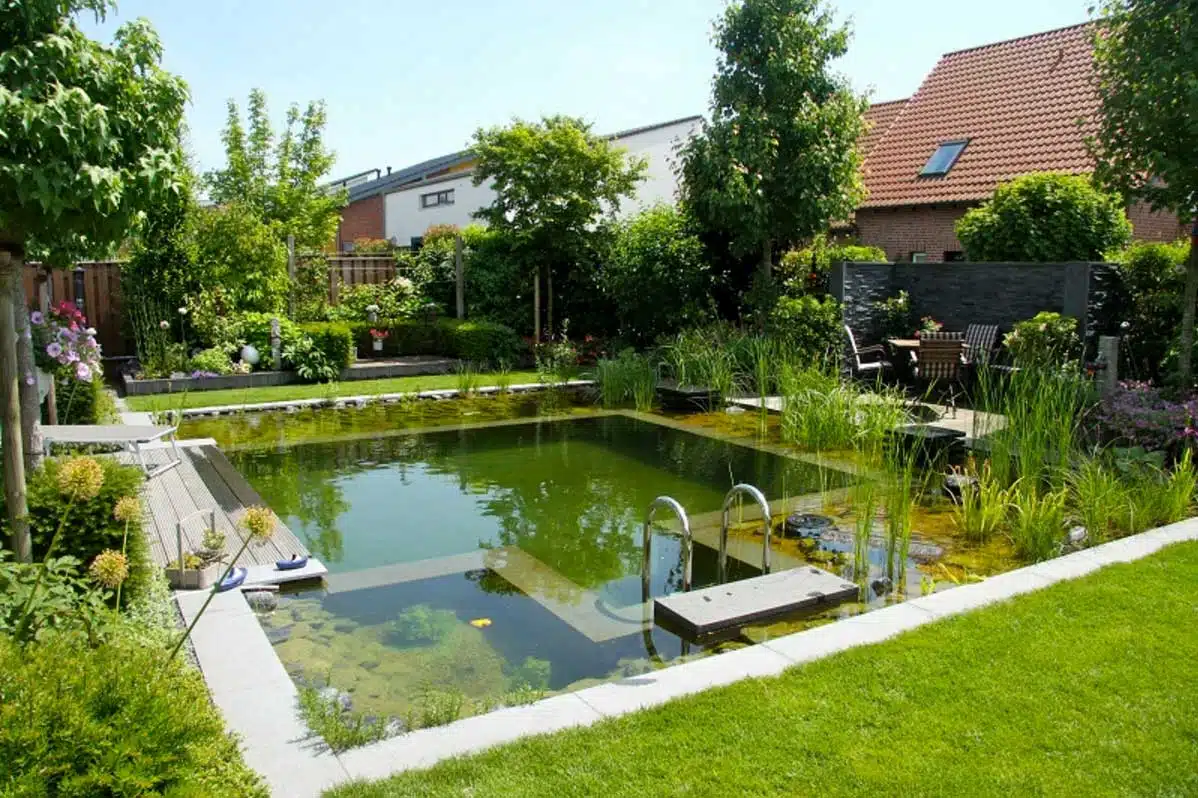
(1098, 499)
(420, 624)
(1038, 522)
(340, 726)
(864, 507)
(899, 501)
(983, 505)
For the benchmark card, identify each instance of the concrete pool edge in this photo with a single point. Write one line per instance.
(425, 747)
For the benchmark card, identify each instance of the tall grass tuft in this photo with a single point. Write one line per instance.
(1177, 495)
(627, 378)
(982, 509)
(899, 501)
(864, 509)
(821, 412)
(467, 381)
(1038, 521)
(1100, 501)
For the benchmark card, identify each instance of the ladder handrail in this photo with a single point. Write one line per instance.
(687, 543)
(766, 518)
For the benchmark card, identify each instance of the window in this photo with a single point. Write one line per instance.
(943, 158)
(919, 257)
(435, 198)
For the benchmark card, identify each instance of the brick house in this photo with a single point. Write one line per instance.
(982, 117)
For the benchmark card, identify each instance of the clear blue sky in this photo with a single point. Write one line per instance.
(407, 80)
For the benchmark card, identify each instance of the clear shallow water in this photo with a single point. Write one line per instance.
(566, 496)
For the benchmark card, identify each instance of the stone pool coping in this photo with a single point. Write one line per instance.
(366, 399)
(258, 699)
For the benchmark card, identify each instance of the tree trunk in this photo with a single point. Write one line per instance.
(10, 413)
(549, 301)
(1184, 365)
(26, 368)
(536, 304)
(767, 260)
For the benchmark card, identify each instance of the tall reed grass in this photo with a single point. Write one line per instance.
(822, 412)
(627, 378)
(899, 503)
(1038, 521)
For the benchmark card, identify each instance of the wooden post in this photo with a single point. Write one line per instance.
(459, 273)
(549, 301)
(276, 345)
(80, 291)
(1108, 354)
(43, 303)
(291, 276)
(10, 413)
(334, 282)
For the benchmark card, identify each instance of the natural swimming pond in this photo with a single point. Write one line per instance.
(480, 566)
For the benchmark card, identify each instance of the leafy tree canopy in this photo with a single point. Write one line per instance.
(280, 182)
(1045, 218)
(779, 159)
(89, 133)
(552, 178)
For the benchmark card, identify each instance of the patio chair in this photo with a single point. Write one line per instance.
(867, 361)
(979, 342)
(940, 363)
(131, 437)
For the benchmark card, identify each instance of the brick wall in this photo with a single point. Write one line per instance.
(901, 231)
(361, 219)
(1149, 226)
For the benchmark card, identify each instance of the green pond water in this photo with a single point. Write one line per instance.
(371, 490)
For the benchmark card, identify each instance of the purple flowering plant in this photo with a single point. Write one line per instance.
(62, 338)
(1137, 414)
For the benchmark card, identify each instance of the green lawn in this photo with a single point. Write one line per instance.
(1087, 688)
(282, 393)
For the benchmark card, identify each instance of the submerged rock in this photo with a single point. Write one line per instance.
(337, 698)
(278, 634)
(955, 484)
(807, 525)
(262, 600)
(881, 586)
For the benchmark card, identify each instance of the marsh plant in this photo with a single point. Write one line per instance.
(705, 358)
(503, 378)
(340, 726)
(822, 412)
(467, 378)
(1038, 521)
(982, 505)
(899, 499)
(1099, 499)
(864, 510)
(627, 378)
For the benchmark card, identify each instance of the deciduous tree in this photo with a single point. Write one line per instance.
(1146, 60)
(779, 158)
(553, 180)
(89, 138)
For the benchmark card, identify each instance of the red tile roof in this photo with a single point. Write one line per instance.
(878, 118)
(1018, 102)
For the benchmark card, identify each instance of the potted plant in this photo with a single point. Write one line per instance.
(928, 325)
(378, 336)
(212, 546)
(195, 573)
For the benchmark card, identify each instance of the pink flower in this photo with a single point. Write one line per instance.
(83, 372)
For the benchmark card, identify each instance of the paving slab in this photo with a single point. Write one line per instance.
(1180, 532)
(406, 572)
(425, 747)
(971, 597)
(270, 575)
(723, 607)
(657, 687)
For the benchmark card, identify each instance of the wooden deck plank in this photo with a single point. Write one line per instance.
(721, 608)
(204, 480)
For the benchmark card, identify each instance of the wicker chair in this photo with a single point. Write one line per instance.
(979, 342)
(869, 361)
(940, 363)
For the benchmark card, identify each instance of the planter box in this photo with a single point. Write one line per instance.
(687, 398)
(193, 579)
(363, 370)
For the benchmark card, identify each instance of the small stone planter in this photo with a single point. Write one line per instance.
(687, 398)
(193, 578)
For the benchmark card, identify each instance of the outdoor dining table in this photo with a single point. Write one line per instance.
(905, 365)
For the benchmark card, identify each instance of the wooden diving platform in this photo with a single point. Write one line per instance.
(724, 608)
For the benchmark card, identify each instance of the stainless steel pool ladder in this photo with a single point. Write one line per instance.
(757, 496)
(687, 543)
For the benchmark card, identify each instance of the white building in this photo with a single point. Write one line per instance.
(405, 204)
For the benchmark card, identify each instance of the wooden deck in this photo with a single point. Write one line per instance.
(204, 480)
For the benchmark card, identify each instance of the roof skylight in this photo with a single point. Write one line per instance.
(943, 158)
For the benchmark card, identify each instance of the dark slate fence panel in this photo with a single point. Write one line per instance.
(960, 294)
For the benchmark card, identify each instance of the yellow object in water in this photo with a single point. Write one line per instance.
(480, 623)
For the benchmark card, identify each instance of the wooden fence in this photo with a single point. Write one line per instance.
(95, 287)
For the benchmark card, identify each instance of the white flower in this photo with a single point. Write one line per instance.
(183, 311)
(90, 331)
(164, 324)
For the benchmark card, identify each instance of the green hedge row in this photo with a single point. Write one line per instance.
(475, 341)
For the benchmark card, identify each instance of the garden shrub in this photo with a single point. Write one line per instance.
(896, 317)
(484, 342)
(805, 270)
(115, 720)
(1137, 414)
(1152, 282)
(1045, 218)
(1047, 340)
(243, 255)
(657, 276)
(212, 361)
(81, 401)
(91, 527)
(397, 298)
(335, 340)
(810, 327)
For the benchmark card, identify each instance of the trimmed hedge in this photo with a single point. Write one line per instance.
(334, 339)
(119, 719)
(80, 402)
(90, 526)
(476, 341)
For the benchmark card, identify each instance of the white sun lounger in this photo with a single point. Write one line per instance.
(133, 437)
